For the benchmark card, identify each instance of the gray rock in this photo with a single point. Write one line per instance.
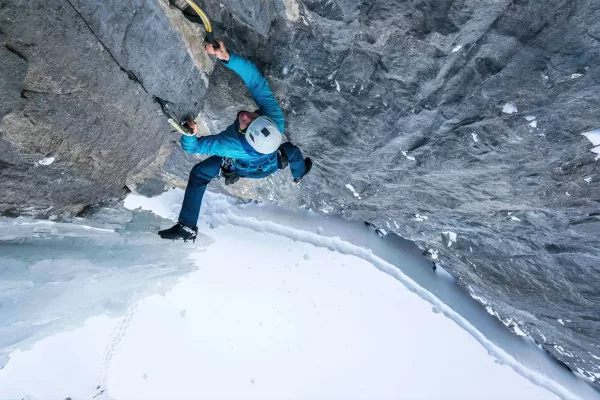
(88, 100)
(14, 68)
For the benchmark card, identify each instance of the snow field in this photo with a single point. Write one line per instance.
(276, 310)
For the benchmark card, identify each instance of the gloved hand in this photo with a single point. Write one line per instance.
(193, 126)
(230, 177)
(221, 52)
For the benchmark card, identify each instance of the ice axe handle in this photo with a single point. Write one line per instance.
(210, 38)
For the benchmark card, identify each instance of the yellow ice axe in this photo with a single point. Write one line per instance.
(179, 128)
(207, 25)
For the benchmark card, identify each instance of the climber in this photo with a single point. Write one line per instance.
(251, 147)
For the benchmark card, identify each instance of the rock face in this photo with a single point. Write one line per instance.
(84, 87)
(454, 123)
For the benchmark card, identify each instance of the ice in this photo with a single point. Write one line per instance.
(513, 218)
(457, 48)
(353, 321)
(337, 86)
(530, 117)
(167, 205)
(575, 76)
(57, 274)
(533, 124)
(509, 108)
(475, 137)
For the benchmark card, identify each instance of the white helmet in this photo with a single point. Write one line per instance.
(263, 135)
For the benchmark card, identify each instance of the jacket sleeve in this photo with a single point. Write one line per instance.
(258, 87)
(220, 145)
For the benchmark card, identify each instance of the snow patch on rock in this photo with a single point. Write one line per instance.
(45, 161)
(292, 11)
(411, 158)
(420, 218)
(433, 254)
(510, 108)
(594, 137)
(354, 192)
(452, 237)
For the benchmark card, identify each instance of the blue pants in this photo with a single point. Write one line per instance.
(206, 170)
(295, 159)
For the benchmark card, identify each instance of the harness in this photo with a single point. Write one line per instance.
(228, 171)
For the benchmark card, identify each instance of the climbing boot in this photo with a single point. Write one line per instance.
(179, 232)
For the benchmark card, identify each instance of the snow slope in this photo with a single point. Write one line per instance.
(292, 305)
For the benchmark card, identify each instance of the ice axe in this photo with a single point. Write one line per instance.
(207, 25)
(180, 127)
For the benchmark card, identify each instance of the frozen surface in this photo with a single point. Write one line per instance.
(290, 305)
(55, 275)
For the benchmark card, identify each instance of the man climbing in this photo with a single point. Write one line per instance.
(251, 147)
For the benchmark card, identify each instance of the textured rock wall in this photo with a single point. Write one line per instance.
(454, 123)
(82, 87)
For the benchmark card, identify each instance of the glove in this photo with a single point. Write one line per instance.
(230, 177)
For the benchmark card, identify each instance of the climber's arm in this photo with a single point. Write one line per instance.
(223, 145)
(254, 80)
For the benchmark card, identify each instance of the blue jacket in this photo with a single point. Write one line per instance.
(231, 143)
